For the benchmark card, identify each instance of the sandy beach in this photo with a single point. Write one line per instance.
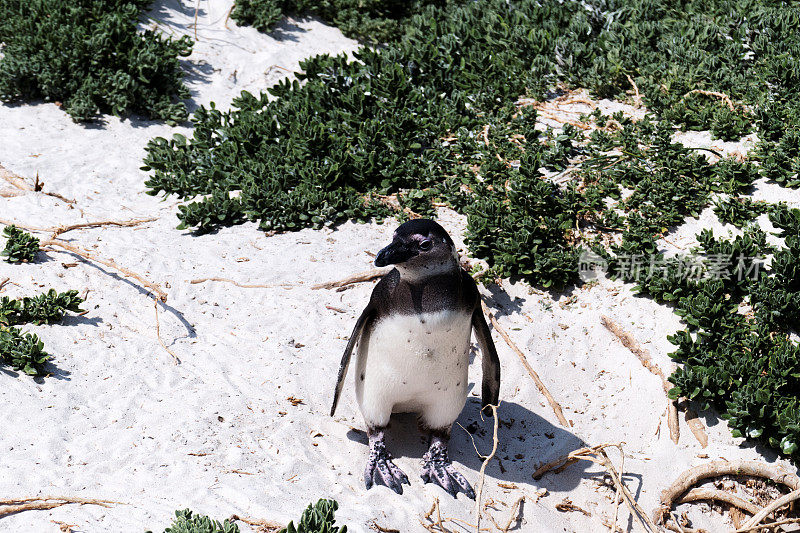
(241, 425)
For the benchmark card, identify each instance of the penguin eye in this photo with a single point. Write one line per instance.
(425, 245)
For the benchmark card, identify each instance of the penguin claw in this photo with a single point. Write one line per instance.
(437, 468)
(381, 470)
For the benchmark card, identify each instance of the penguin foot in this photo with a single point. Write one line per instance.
(437, 468)
(381, 470)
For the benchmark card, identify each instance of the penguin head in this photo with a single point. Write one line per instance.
(420, 247)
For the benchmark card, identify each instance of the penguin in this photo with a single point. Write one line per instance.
(413, 343)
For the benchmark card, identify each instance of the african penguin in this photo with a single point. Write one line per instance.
(413, 352)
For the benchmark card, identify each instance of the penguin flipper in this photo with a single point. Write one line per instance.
(363, 322)
(490, 363)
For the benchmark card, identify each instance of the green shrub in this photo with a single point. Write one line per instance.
(24, 351)
(47, 308)
(317, 519)
(373, 21)
(89, 56)
(739, 211)
(187, 522)
(21, 247)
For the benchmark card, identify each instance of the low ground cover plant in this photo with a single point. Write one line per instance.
(440, 114)
(21, 247)
(373, 21)
(317, 518)
(25, 351)
(89, 56)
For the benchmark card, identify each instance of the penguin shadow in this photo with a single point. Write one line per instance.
(525, 442)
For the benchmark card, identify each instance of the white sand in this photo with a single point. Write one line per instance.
(118, 420)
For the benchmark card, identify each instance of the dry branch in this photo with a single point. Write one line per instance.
(780, 502)
(643, 355)
(243, 285)
(158, 334)
(3, 282)
(698, 494)
(696, 426)
(482, 473)
(722, 96)
(267, 525)
(539, 383)
(721, 468)
(21, 185)
(770, 525)
(597, 454)
(15, 505)
(637, 97)
(368, 275)
(58, 230)
(107, 262)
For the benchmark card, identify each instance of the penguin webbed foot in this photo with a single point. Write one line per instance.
(381, 470)
(437, 468)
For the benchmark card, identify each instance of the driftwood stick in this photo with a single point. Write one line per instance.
(107, 262)
(20, 184)
(368, 275)
(571, 457)
(630, 501)
(672, 421)
(267, 525)
(698, 494)
(770, 525)
(780, 502)
(722, 96)
(512, 514)
(244, 285)
(12, 506)
(696, 426)
(119, 223)
(720, 468)
(482, 473)
(539, 383)
(158, 334)
(58, 230)
(643, 355)
(617, 495)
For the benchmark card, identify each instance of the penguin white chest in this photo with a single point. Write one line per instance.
(415, 363)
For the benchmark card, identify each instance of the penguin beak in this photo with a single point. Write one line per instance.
(397, 252)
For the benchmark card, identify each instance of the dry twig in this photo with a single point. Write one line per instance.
(699, 494)
(637, 98)
(512, 514)
(724, 97)
(158, 334)
(21, 185)
(597, 454)
(721, 468)
(3, 282)
(482, 473)
(244, 285)
(539, 383)
(361, 277)
(762, 514)
(58, 230)
(770, 525)
(16, 505)
(643, 355)
(55, 242)
(107, 262)
(263, 525)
